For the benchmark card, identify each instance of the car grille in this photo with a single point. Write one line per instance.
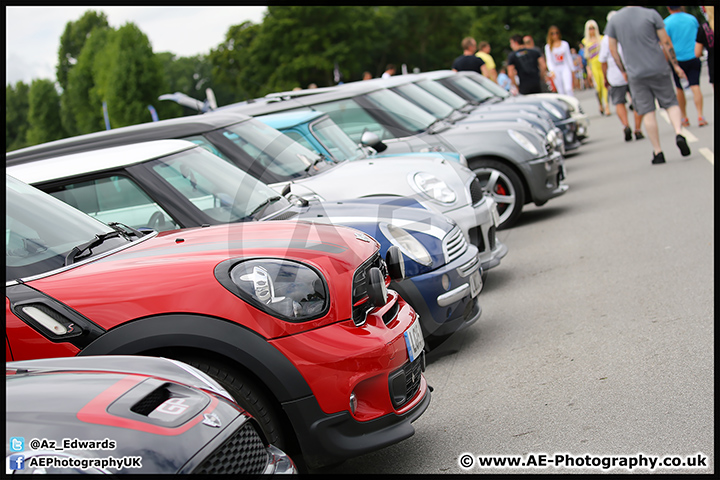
(476, 191)
(468, 268)
(244, 453)
(403, 391)
(454, 244)
(359, 287)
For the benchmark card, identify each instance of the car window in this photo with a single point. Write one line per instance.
(443, 93)
(271, 149)
(337, 142)
(353, 119)
(40, 231)
(116, 198)
(203, 142)
(428, 102)
(300, 138)
(221, 191)
(407, 115)
(473, 89)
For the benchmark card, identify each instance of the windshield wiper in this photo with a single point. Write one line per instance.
(125, 230)
(263, 205)
(321, 158)
(99, 239)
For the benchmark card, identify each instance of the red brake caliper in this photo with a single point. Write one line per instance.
(500, 190)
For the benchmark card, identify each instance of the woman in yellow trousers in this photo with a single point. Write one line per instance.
(592, 49)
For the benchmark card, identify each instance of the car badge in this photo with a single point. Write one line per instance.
(211, 420)
(363, 237)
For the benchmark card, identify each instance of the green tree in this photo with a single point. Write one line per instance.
(72, 41)
(425, 37)
(17, 105)
(81, 102)
(232, 66)
(297, 46)
(128, 76)
(43, 113)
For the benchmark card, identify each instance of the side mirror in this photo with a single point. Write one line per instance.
(370, 139)
(376, 289)
(395, 263)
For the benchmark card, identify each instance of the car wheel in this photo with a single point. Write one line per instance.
(504, 186)
(248, 395)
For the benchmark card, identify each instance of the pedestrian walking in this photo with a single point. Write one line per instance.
(468, 60)
(527, 64)
(591, 40)
(682, 28)
(617, 87)
(577, 70)
(641, 33)
(559, 61)
(484, 53)
(706, 40)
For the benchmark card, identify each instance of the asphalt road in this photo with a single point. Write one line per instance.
(597, 332)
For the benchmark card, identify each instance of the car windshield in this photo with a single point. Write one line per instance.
(220, 190)
(273, 150)
(408, 116)
(336, 141)
(443, 93)
(40, 231)
(425, 100)
(493, 87)
(472, 89)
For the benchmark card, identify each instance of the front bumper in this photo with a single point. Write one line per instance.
(479, 224)
(545, 178)
(445, 311)
(327, 439)
(569, 128)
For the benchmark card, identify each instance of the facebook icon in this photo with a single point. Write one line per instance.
(17, 462)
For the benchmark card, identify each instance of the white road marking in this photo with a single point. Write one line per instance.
(708, 154)
(685, 132)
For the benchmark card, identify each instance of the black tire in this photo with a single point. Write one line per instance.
(249, 396)
(504, 186)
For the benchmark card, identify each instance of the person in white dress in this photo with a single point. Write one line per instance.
(559, 61)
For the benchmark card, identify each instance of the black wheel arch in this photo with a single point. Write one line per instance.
(180, 334)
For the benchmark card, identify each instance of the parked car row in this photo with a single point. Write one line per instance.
(300, 263)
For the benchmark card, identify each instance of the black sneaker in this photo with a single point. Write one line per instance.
(628, 134)
(658, 158)
(639, 135)
(682, 145)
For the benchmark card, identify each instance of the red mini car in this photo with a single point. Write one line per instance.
(294, 319)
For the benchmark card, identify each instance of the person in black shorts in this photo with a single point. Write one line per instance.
(528, 64)
(468, 60)
(706, 38)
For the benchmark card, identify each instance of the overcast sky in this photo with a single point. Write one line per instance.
(33, 33)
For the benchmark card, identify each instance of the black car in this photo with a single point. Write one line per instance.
(128, 414)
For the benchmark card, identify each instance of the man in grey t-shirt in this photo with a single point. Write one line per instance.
(641, 32)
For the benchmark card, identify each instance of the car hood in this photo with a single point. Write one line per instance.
(99, 399)
(474, 139)
(386, 176)
(174, 272)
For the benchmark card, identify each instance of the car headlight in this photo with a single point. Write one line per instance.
(523, 141)
(552, 109)
(409, 245)
(433, 187)
(283, 288)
